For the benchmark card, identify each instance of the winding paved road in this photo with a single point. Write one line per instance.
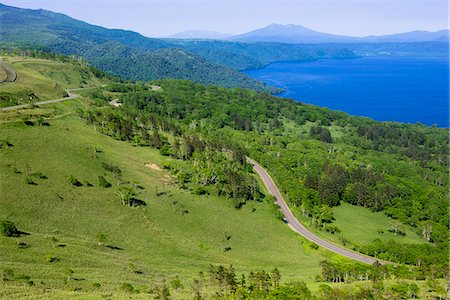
(11, 74)
(71, 96)
(295, 225)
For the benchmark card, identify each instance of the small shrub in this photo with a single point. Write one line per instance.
(73, 181)
(344, 240)
(166, 150)
(25, 278)
(103, 183)
(96, 285)
(5, 144)
(111, 168)
(331, 229)
(101, 238)
(26, 121)
(276, 211)
(16, 171)
(313, 246)
(50, 258)
(326, 289)
(39, 121)
(22, 245)
(238, 203)
(135, 270)
(69, 274)
(200, 191)
(126, 287)
(39, 175)
(8, 274)
(318, 278)
(7, 228)
(320, 133)
(30, 181)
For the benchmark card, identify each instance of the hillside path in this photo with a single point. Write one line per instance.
(295, 225)
(11, 74)
(69, 97)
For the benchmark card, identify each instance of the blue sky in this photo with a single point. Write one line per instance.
(159, 17)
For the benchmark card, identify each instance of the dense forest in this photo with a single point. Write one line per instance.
(320, 158)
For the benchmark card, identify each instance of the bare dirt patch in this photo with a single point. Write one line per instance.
(153, 167)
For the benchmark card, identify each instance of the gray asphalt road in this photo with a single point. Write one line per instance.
(297, 226)
(71, 96)
(11, 74)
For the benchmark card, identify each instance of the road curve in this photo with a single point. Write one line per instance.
(11, 74)
(297, 226)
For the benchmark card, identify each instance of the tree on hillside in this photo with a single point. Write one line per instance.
(7, 228)
(426, 229)
(320, 133)
(276, 277)
(397, 228)
(126, 194)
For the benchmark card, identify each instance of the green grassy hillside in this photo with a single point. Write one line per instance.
(176, 233)
(40, 79)
(78, 241)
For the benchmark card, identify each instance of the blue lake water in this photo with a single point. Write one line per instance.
(406, 90)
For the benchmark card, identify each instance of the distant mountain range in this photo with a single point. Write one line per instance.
(297, 34)
(199, 34)
(133, 56)
(120, 52)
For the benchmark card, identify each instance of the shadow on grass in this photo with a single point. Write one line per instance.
(113, 247)
(137, 202)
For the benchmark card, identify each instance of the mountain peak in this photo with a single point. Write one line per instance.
(287, 27)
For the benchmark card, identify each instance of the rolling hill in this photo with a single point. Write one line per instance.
(64, 168)
(177, 233)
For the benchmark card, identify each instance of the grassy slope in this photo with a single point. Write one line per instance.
(156, 239)
(350, 219)
(44, 79)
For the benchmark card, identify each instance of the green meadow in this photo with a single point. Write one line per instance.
(176, 233)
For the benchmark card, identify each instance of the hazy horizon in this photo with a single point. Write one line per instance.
(345, 17)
